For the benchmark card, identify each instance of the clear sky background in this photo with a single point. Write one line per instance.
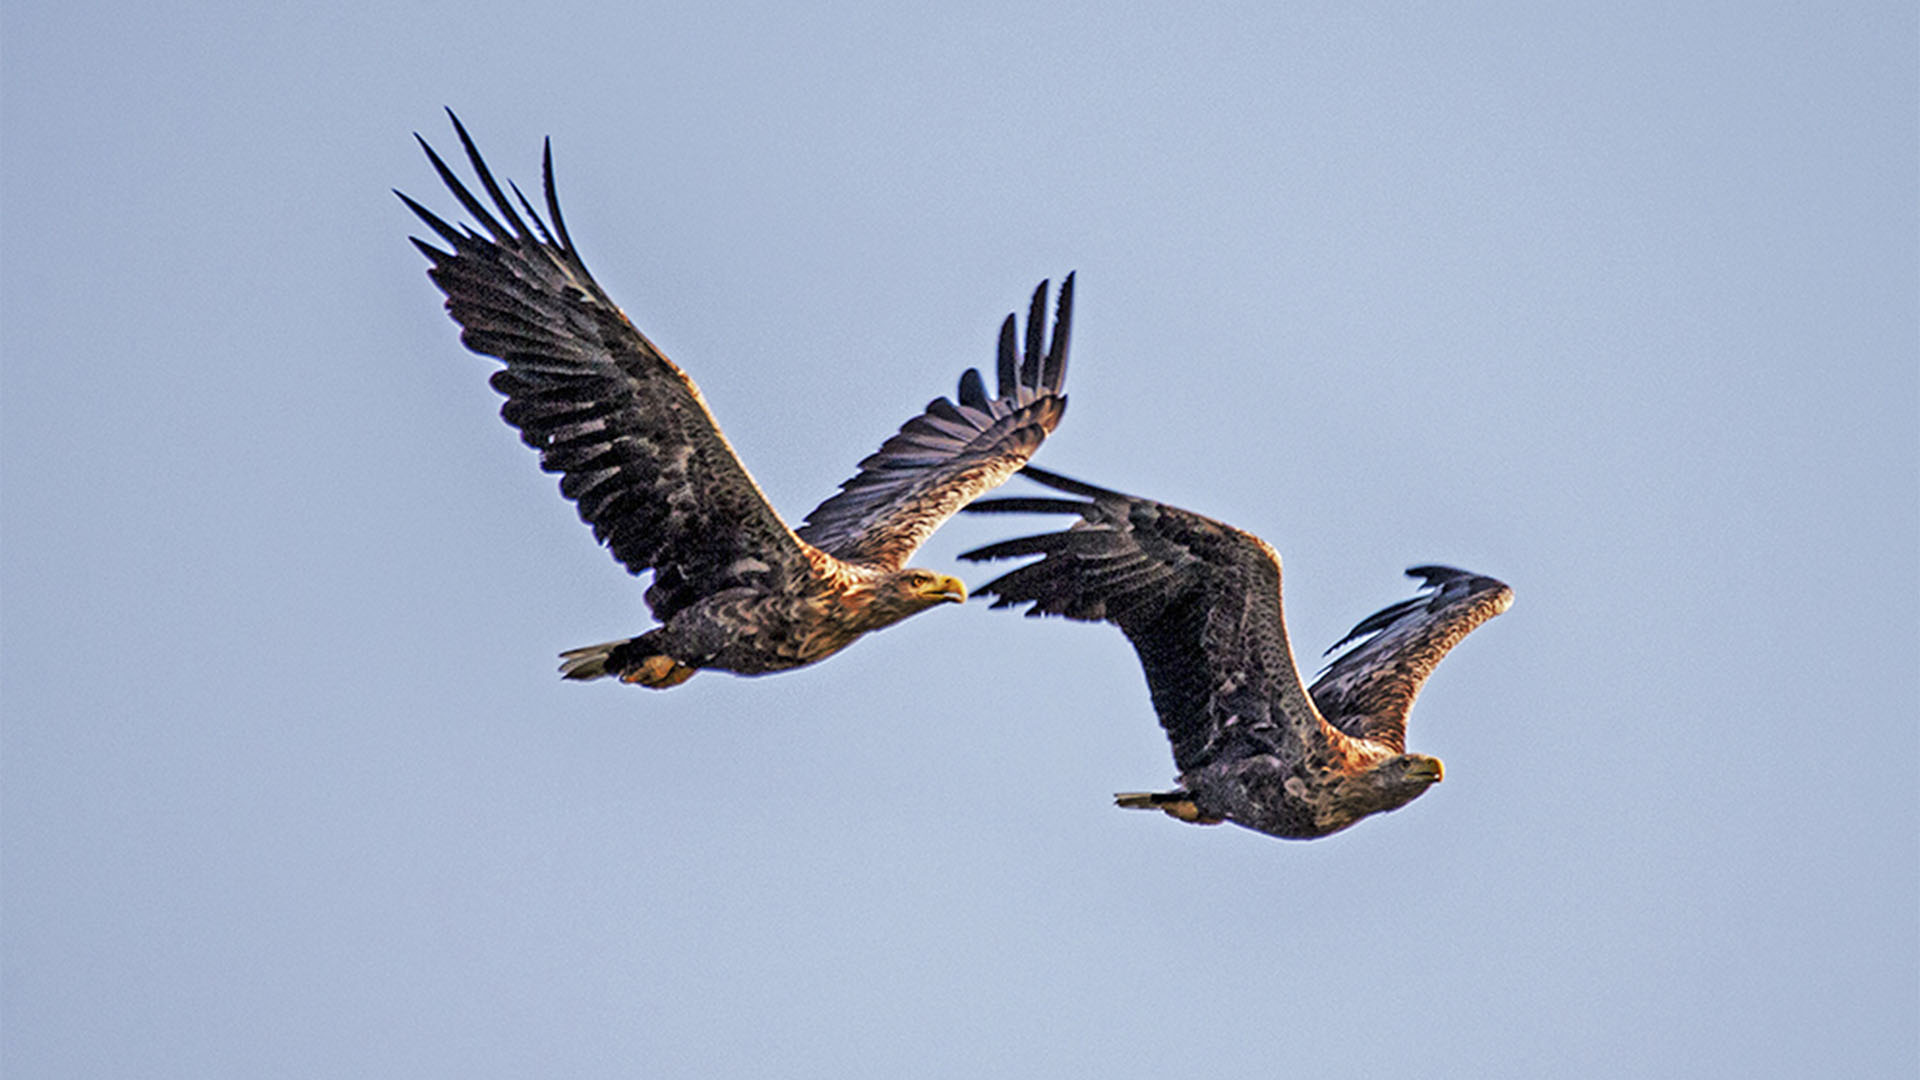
(1616, 302)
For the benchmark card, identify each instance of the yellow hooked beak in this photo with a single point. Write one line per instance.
(945, 587)
(1427, 769)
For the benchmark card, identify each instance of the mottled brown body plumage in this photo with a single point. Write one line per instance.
(638, 452)
(1200, 602)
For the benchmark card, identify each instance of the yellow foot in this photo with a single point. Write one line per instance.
(659, 672)
(1168, 802)
(1188, 810)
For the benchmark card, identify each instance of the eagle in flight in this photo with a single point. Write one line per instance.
(734, 587)
(1200, 601)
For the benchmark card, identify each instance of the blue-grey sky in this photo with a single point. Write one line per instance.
(1615, 302)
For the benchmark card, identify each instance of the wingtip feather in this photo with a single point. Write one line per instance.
(1036, 337)
(1053, 373)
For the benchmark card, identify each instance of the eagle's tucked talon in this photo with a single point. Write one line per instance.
(659, 672)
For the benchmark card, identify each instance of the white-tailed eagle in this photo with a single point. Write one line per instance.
(1200, 601)
(734, 588)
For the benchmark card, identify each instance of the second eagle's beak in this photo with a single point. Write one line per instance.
(1428, 769)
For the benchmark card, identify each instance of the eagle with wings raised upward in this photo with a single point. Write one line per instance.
(734, 588)
(1200, 601)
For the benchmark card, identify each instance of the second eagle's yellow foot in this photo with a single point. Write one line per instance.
(1170, 803)
(659, 672)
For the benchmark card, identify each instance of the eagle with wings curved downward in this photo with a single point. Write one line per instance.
(1200, 601)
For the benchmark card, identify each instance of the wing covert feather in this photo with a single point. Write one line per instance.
(950, 453)
(1368, 690)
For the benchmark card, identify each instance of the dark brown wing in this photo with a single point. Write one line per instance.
(1367, 691)
(941, 459)
(1199, 600)
(628, 432)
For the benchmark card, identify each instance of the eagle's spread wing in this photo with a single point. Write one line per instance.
(941, 459)
(1367, 691)
(636, 448)
(1199, 600)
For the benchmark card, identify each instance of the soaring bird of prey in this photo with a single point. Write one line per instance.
(1200, 601)
(734, 588)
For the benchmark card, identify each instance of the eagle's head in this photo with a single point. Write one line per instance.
(912, 590)
(1398, 780)
(1389, 783)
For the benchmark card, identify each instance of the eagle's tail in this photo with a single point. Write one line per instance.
(633, 660)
